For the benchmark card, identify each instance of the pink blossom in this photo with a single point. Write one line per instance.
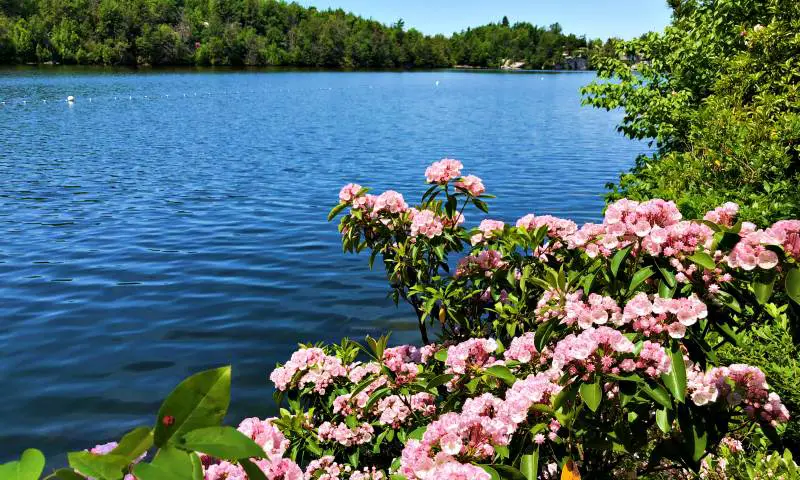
(345, 435)
(426, 223)
(724, 215)
(485, 263)
(787, 234)
(266, 435)
(225, 471)
(390, 202)
(280, 469)
(349, 192)
(488, 230)
(316, 368)
(325, 468)
(522, 349)
(653, 315)
(443, 171)
(471, 184)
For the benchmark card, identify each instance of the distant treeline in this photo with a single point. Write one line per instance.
(264, 32)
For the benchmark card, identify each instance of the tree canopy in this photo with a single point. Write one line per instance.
(261, 32)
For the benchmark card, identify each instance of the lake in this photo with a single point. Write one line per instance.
(172, 221)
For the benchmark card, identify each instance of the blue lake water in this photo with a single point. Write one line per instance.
(172, 221)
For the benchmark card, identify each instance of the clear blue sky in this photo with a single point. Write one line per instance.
(595, 18)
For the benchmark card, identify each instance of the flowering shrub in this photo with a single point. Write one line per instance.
(588, 350)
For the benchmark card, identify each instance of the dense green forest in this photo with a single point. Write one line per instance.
(264, 32)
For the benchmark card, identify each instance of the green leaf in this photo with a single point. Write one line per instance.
(440, 380)
(417, 433)
(668, 276)
(169, 463)
(199, 401)
(662, 420)
(619, 258)
(503, 373)
(793, 285)
(509, 473)
(222, 442)
(66, 474)
(28, 467)
(704, 260)
(252, 470)
(441, 355)
(491, 471)
(336, 210)
(764, 285)
(592, 394)
(543, 334)
(104, 467)
(530, 465)
(639, 278)
(134, 444)
(675, 380)
(657, 393)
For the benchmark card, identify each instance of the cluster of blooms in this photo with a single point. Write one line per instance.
(738, 385)
(349, 192)
(345, 435)
(312, 367)
(368, 473)
(471, 184)
(625, 221)
(552, 305)
(653, 315)
(485, 263)
(484, 423)
(724, 215)
(787, 234)
(427, 223)
(557, 228)
(475, 353)
(396, 410)
(390, 202)
(597, 350)
(678, 240)
(348, 405)
(488, 230)
(523, 349)
(266, 435)
(326, 468)
(443, 171)
(751, 251)
(404, 362)
(274, 443)
(595, 310)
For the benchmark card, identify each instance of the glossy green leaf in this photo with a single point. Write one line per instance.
(503, 373)
(199, 401)
(221, 442)
(491, 471)
(507, 472)
(668, 276)
(592, 394)
(440, 380)
(103, 467)
(793, 285)
(657, 393)
(336, 210)
(28, 467)
(764, 285)
(169, 463)
(619, 258)
(662, 420)
(134, 443)
(640, 277)
(704, 260)
(66, 474)
(675, 380)
(529, 465)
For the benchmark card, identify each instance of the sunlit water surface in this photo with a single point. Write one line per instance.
(168, 222)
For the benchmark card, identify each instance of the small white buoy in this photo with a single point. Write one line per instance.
(90, 99)
(437, 83)
(130, 97)
(70, 99)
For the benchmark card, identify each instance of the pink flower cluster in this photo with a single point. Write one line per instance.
(751, 251)
(403, 362)
(471, 184)
(724, 215)
(595, 310)
(653, 315)
(625, 222)
(325, 468)
(557, 228)
(598, 350)
(426, 223)
(390, 202)
(484, 422)
(739, 385)
(266, 435)
(313, 366)
(787, 234)
(396, 410)
(368, 473)
(523, 349)
(488, 230)
(475, 353)
(349, 192)
(345, 435)
(443, 171)
(486, 262)
(678, 240)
